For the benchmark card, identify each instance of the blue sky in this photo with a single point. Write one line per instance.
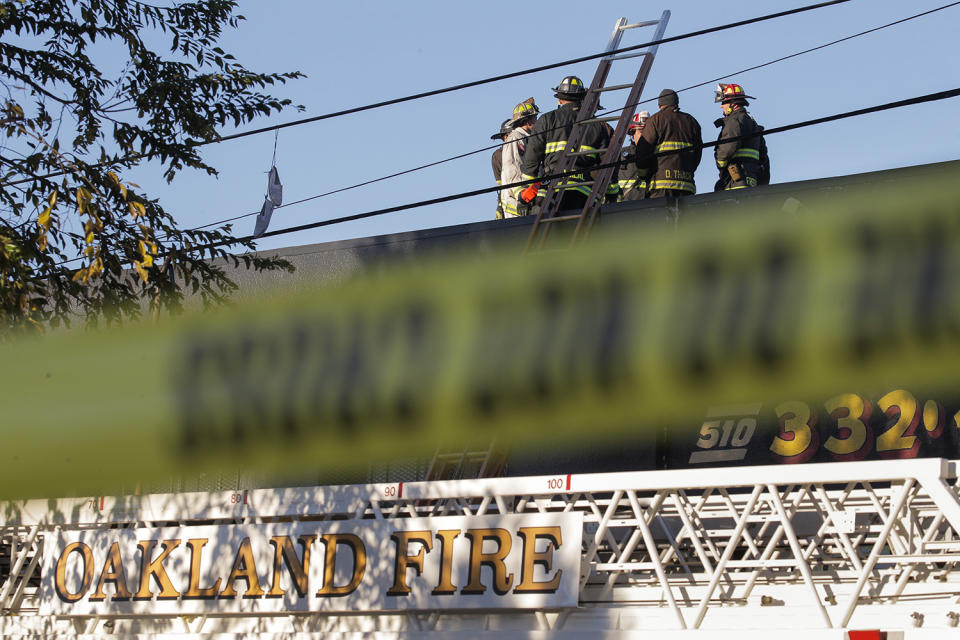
(366, 51)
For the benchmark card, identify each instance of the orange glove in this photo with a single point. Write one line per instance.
(528, 194)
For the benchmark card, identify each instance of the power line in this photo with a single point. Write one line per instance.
(629, 106)
(483, 81)
(546, 67)
(932, 97)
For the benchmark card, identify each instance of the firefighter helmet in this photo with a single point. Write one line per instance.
(639, 120)
(526, 109)
(505, 129)
(730, 93)
(570, 88)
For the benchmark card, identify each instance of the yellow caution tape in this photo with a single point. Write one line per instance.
(630, 330)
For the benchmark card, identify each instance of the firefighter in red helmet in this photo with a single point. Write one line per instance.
(742, 160)
(632, 179)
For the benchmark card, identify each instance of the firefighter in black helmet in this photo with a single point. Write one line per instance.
(497, 161)
(742, 161)
(671, 146)
(549, 139)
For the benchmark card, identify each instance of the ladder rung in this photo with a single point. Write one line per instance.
(604, 119)
(637, 25)
(561, 218)
(592, 152)
(564, 187)
(616, 87)
(627, 56)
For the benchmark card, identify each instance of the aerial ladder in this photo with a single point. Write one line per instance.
(585, 218)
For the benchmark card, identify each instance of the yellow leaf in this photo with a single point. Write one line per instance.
(148, 260)
(141, 271)
(44, 219)
(83, 198)
(137, 209)
(89, 238)
(53, 199)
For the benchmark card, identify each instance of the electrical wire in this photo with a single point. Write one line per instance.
(601, 114)
(515, 74)
(489, 80)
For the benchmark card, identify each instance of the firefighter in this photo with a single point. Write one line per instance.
(549, 138)
(742, 162)
(633, 179)
(676, 137)
(523, 120)
(497, 161)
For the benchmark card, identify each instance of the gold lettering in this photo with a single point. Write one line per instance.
(155, 568)
(112, 572)
(283, 552)
(404, 560)
(445, 586)
(194, 590)
(532, 558)
(355, 544)
(61, 577)
(244, 568)
(501, 580)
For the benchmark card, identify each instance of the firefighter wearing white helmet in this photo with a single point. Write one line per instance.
(549, 138)
(742, 160)
(633, 179)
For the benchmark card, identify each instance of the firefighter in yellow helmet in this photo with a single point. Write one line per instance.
(547, 142)
(742, 160)
(523, 120)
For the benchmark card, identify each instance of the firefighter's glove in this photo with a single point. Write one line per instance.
(528, 194)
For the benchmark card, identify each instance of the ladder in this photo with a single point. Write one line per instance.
(601, 177)
(458, 465)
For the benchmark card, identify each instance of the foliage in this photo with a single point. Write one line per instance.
(94, 88)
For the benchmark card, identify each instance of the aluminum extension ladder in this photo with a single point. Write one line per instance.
(602, 177)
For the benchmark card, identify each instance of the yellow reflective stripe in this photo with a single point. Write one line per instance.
(671, 145)
(636, 183)
(750, 182)
(613, 188)
(510, 209)
(554, 147)
(524, 176)
(681, 185)
(498, 183)
(721, 164)
(750, 154)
